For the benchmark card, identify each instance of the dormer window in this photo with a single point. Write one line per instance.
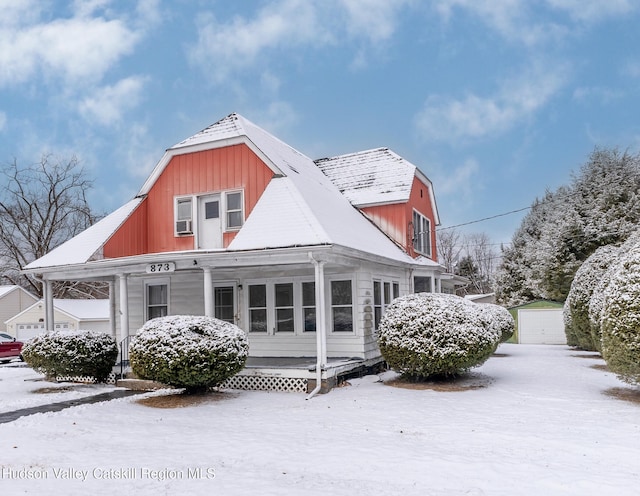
(184, 216)
(235, 214)
(421, 234)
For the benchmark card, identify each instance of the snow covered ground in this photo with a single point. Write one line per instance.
(543, 426)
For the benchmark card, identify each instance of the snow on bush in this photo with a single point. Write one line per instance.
(621, 319)
(72, 353)
(568, 324)
(193, 352)
(432, 334)
(583, 286)
(499, 317)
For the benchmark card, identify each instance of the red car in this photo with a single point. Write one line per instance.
(9, 348)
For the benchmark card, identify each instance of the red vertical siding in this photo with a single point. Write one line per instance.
(131, 237)
(396, 220)
(151, 230)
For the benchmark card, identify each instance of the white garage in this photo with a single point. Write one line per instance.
(541, 326)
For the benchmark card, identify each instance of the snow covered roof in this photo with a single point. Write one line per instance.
(374, 177)
(87, 244)
(371, 176)
(85, 309)
(301, 206)
(80, 309)
(4, 290)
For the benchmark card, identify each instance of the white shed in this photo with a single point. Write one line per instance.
(541, 326)
(13, 300)
(88, 314)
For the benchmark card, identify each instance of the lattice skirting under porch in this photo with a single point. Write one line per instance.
(111, 379)
(266, 383)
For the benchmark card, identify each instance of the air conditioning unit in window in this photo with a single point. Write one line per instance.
(184, 227)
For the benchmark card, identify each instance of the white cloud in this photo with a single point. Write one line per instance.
(511, 18)
(76, 49)
(473, 117)
(604, 95)
(461, 181)
(222, 48)
(107, 105)
(375, 20)
(594, 10)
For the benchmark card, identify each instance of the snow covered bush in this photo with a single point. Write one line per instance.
(568, 324)
(621, 319)
(500, 318)
(432, 334)
(582, 288)
(72, 353)
(192, 352)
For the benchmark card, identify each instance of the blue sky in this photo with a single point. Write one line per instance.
(495, 100)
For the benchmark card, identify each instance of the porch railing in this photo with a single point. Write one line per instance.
(124, 355)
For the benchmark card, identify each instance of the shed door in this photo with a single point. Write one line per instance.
(541, 326)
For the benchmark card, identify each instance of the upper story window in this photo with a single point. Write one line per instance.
(421, 234)
(224, 211)
(235, 210)
(184, 215)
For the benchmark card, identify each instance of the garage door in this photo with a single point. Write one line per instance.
(541, 326)
(27, 331)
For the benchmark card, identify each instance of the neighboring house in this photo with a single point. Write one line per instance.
(482, 298)
(91, 314)
(13, 300)
(233, 223)
(539, 322)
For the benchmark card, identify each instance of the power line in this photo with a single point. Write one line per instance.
(486, 218)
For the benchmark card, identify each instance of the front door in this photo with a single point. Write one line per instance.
(224, 303)
(209, 224)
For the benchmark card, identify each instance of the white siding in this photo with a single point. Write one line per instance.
(11, 304)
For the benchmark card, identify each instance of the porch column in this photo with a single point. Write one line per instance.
(438, 285)
(49, 319)
(124, 306)
(208, 293)
(321, 317)
(112, 308)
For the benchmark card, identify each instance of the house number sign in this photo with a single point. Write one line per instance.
(161, 268)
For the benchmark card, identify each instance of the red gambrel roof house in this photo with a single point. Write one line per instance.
(303, 255)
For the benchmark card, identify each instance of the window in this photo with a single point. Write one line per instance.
(421, 234)
(377, 303)
(383, 294)
(284, 307)
(258, 308)
(223, 303)
(309, 306)
(184, 216)
(421, 284)
(157, 300)
(235, 216)
(341, 306)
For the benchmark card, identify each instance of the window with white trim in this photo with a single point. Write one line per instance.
(157, 299)
(383, 294)
(285, 321)
(309, 306)
(235, 210)
(341, 306)
(421, 234)
(184, 216)
(422, 284)
(258, 308)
